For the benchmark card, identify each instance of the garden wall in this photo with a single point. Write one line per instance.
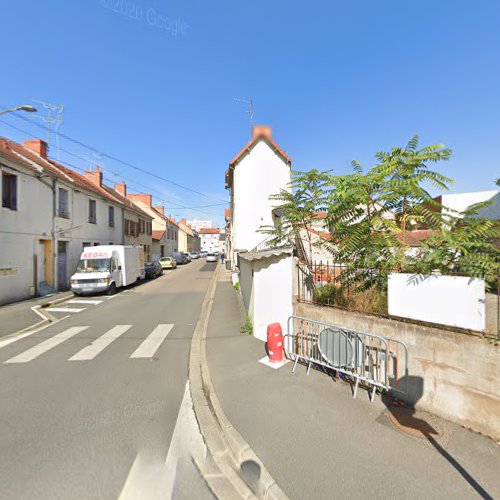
(460, 372)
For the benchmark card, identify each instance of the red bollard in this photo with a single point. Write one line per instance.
(275, 342)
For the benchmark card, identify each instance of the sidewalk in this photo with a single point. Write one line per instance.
(19, 315)
(317, 442)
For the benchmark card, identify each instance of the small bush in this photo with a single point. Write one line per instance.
(371, 300)
(237, 285)
(248, 326)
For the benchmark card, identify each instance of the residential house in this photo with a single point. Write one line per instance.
(210, 239)
(200, 224)
(189, 239)
(137, 224)
(259, 170)
(165, 231)
(49, 213)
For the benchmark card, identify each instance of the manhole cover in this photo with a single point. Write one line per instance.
(416, 423)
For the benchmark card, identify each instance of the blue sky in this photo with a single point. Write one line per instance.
(153, 81)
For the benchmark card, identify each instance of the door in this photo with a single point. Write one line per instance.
(40, 263)
(62, 265)
(116, 272)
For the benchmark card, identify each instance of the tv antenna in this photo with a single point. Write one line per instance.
(54, 117)
(249, 111)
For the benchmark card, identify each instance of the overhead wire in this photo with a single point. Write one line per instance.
(111, 157)
(129, 181)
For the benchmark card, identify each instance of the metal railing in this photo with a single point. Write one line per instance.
(375, 361)
(332, 284)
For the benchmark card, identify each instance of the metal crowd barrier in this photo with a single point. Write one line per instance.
(371, 359)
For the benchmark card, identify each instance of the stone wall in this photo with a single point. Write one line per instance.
(460, 372)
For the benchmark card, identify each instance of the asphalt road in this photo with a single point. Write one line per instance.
(82, 427)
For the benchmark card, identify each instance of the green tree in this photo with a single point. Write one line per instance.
(298, 208)
(370, 213)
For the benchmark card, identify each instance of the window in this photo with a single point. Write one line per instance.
(63, 207)
(86, 244)
(9, 191)
(111, 217)
(142, 226)
(162, 250)
(92, 212)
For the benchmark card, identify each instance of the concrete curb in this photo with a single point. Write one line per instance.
(57, 301)
(47, 318)
(228, 450)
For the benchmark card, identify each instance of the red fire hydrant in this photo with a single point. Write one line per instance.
(275, 342)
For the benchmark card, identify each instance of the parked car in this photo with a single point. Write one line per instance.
(168, 263)
(179, 258)
(105, 268)
(203, 254)
(211, 257)
(194, 255)
(153, 269)
(188, 257)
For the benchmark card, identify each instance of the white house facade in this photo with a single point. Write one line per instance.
(259, 170)
(210, 239)
(49, 213)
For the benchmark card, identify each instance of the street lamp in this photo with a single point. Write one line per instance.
(24, 107)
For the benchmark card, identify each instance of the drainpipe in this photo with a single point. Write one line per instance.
(123, 225)
(53, 233)
(54, 246)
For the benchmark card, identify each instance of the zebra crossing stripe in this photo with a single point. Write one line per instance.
(65, 309)
(46, 345)
(152, 342)
(85, 301)
(98, 345)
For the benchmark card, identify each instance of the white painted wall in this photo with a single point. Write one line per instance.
(20, 233)
(259, 174)
(210, 242)
(447, 300)
(77, 229)
(269, 298)
(462, 201)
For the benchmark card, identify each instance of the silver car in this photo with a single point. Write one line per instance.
(211, 257)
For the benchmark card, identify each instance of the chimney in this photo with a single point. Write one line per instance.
(159, 208)
(262, 131)
(121, 188)
(145, 198)
(184, 221)
(38, 146)
(94, 176)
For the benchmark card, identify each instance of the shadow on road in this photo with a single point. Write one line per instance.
(404, 415)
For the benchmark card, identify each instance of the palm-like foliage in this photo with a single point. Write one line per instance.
(370, 213)
(298, 207)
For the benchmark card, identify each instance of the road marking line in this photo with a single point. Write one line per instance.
(66, 309)
(46, 345)
(151, 344)
(98, 345)
(85, 301)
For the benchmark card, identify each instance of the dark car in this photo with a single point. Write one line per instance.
(153, 269)
(180, 258)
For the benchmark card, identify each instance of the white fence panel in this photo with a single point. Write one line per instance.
(448, 300)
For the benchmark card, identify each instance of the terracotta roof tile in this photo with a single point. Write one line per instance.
(158, 235)
(253, 142)
(415, 238)
(209, 230)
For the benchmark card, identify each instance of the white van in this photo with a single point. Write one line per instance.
(106, 268)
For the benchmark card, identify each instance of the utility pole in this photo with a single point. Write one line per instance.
(57, 120)
(249, 111)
